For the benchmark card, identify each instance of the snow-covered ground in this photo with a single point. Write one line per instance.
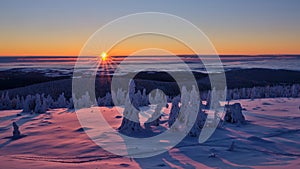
(270, 139)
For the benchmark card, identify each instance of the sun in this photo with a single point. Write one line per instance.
(103, 56)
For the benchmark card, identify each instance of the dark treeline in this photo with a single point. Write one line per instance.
(247, 78)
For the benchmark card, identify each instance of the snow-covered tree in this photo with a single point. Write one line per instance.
(118, 97)
(236, 94)
(144, 100)
(131, 90)
(50, 101)
(174, 110)
(138, 98)
(18, 103)
(70, 106)
(44, 106)
(195, 109)
(267, 91)
(84, 101)
(160, 101)
(6, 102)
(295, 90)
(61, 102)
(130, 121)
(244, 93)
(182, 116)
(107, 99)
(27, 104)
(38, 104)
(99, 101)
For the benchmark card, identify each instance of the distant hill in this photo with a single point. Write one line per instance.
(28, 83)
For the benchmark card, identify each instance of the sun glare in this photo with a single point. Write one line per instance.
(103, 56)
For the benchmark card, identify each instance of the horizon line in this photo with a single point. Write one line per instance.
(156, 55)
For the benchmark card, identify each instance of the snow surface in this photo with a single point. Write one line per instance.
(270, 139)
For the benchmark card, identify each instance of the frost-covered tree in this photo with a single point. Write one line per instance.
(84, 101)
(18, 103)
(70, 106)
(99, 101)
(38, 104)
(138, 98)
(244, 93)
(107, 100)
(194, 107)
(61, 102)
(131, 87)
(27, 104)
(174, 110)
(160, 101)
(236, 94)
(182, 116)
(295, 90)
(121, 95)
(118, 97)
(50, 101)
(130, 122)
(6, 102)
(201, 116)
(135, 98)
(144, 100)
(44, 106)
(267, 92)
(253, 93)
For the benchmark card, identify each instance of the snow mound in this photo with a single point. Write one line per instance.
(234, 114)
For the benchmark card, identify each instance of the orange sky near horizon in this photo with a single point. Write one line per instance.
(54, 46)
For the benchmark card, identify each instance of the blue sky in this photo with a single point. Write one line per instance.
(49, 26)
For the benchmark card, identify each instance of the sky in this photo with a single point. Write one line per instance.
(61, 27)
